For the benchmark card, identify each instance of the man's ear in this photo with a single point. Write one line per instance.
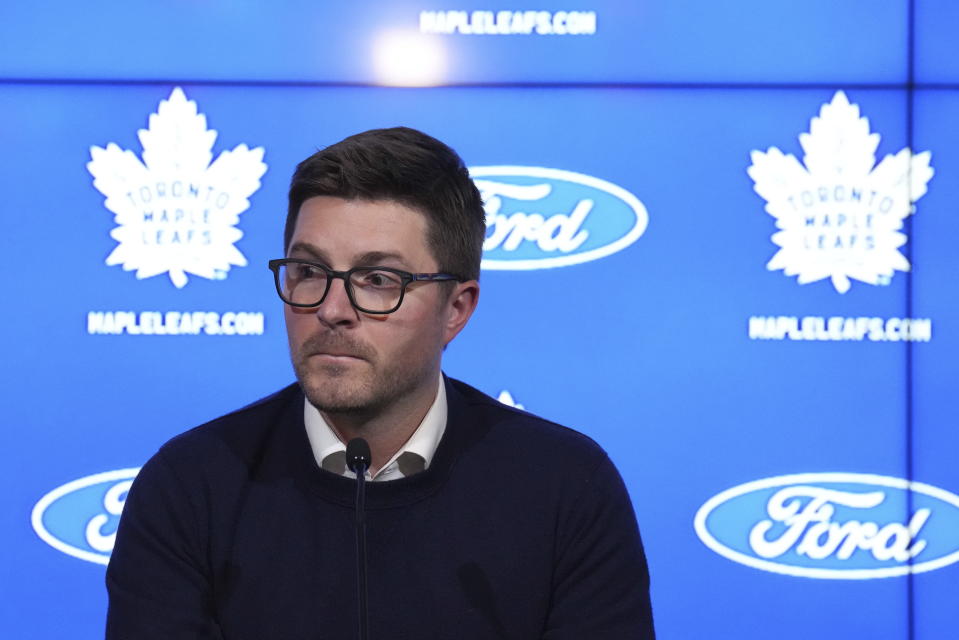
(459, 307)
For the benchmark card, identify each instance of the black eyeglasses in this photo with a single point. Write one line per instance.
(302, 283)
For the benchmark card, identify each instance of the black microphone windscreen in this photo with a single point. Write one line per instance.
(358, 452)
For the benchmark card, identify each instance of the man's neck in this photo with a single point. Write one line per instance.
(388, 430)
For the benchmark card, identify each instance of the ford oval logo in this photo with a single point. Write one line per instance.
(80, 518)
(833, 525)
(538, 218)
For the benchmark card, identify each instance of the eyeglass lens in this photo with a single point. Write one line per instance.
(373, 289)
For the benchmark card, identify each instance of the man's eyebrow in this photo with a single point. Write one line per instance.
(368, 259)
(305, 247)
(372, 258)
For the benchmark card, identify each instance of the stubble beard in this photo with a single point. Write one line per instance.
(360, 389)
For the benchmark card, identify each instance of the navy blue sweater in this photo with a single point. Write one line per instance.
(519, 529)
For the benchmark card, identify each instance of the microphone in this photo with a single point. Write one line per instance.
(358, 458)
(358, 453)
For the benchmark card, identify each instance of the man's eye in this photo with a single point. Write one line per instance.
(378, 279)
(305, 272)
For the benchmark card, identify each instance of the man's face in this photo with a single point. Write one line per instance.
(348, 361)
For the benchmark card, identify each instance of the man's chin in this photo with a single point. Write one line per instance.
(338, 396)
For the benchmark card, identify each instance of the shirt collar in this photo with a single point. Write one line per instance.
(424, 441)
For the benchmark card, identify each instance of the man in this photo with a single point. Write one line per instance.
(482, 521)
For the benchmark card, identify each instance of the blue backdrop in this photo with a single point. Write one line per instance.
(746, 331)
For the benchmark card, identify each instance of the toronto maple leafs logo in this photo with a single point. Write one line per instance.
(839, 214)
(177, 210)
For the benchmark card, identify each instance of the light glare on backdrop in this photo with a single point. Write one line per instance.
(408, 59)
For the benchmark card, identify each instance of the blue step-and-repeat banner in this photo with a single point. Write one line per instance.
(722, 242)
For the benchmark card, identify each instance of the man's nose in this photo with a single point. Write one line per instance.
(336, 308)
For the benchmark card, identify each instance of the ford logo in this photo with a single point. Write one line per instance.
(539, 218)
(80, 518)
(833, 525)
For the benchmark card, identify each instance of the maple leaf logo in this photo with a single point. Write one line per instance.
(839, 214)
(176, 210)
(507, 398)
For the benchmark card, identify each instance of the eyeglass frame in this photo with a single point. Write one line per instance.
(406, 278)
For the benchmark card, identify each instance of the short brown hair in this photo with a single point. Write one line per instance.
(409, 167)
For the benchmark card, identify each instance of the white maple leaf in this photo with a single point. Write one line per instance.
(176, 210)
(839, 214)
(507, 398)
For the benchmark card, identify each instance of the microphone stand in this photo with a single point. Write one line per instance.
(358, 459)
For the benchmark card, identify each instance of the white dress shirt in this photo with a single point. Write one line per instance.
(414, 456)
